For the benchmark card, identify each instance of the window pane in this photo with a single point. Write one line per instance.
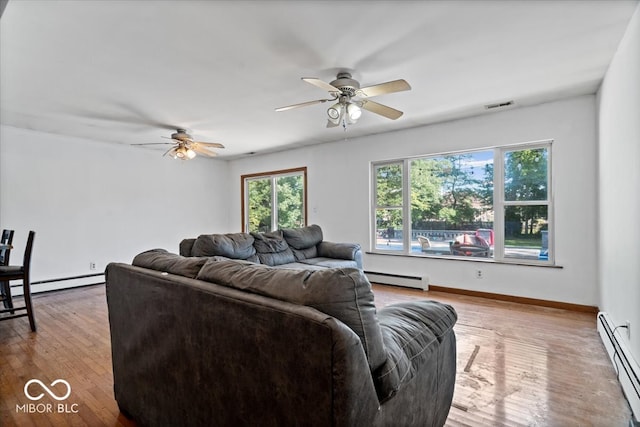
(452, 197)
(259, 205)
(525, 231)
(389, 229)
(525, 175)
(389, 185)
(290, 201)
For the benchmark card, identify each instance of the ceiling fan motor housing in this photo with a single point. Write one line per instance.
(181, 134)
(346, 84)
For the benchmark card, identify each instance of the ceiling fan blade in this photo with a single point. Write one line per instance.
(203, 151)
(382, 88)
(155, 143)
(208, 144)
(321, 84)
(169, 151)
(302, 104)
(383, 110)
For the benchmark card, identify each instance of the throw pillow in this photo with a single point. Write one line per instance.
(272, 249)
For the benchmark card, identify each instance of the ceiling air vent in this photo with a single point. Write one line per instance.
(498, 105)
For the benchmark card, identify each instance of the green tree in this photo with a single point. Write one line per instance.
(290, 201)
(426, 200)
(259, 205)
(525, 179)
(459, 188)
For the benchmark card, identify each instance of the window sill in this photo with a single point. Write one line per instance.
(466, 259)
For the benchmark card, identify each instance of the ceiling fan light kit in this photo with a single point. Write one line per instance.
(185, 148)
(348, 109)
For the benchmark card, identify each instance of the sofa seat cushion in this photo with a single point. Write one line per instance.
(230, 245)
(329, 262)
(272, 249)
(412, 332)
(303, 241)
(162, 260)
(344, 294)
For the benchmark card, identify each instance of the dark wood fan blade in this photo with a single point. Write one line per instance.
(302, 104)
(383, 110)
(321, 84)
(208, 144)
(382, 88)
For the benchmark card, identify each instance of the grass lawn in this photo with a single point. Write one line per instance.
(534, 241)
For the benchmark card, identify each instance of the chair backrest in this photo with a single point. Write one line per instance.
(7, 239)
(28, 250)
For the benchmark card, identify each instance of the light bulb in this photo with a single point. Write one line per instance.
(334, 113)
(354, 112)
(190, 153)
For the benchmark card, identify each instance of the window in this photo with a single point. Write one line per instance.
(274, 200)
(491, 203)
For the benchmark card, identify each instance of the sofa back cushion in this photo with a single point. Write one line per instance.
(303, 238)
(341, 293)
(272, 249)
(231, 245)
(161, 260)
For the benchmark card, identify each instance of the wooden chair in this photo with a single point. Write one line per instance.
(5, 252)
(20, 272)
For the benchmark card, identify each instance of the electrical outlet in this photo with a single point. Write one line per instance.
(479, 274)
(92, 265)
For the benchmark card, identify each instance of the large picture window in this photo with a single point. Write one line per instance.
(491, 203)
(274, 200)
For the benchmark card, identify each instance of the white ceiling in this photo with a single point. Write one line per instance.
(129, 71)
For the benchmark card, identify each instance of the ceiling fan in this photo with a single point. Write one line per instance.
(185, 148)
(351, 99)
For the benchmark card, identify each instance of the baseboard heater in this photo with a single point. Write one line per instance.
(59, 284)
(419, 282)
(623, 361)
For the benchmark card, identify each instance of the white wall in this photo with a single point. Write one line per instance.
(619, 185)
(96, 202)
(339, 187)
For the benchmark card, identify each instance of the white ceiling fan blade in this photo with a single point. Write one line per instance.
(208, 144)
(383, 88)
(302, 104)
(383, 110)
(321, 84)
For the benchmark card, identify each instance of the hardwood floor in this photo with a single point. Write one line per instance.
(518, 365)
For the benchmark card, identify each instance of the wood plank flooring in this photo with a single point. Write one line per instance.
(518, 365)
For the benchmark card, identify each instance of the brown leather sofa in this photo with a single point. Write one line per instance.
(200, 341)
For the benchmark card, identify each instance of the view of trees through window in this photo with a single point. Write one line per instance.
(274, 201)
(450, 204)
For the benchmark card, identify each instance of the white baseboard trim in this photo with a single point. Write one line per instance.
(616, 344)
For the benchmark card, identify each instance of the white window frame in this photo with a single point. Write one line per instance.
(499, 203)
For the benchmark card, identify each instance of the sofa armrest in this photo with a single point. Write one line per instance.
(350, 251)
(412, 333)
